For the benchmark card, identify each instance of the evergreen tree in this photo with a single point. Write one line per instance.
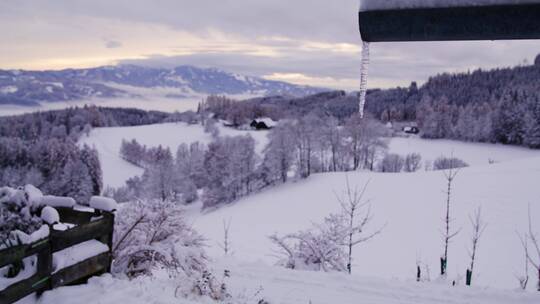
(532, 125)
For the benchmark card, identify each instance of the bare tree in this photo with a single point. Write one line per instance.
(226, 245)
(357, 212)
(450, 175)
(531, 237)
(478, 227)
(412, 162)
(524, 279)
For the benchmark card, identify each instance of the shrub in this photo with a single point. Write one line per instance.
(445, 163)
(150, 234)
(391, 163)
(412, 162)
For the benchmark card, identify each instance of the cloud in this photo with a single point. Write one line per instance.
(317, 39)
(112, 44)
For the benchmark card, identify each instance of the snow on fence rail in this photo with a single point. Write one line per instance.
(88, 243)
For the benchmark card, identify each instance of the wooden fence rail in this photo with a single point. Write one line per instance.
(98, 226)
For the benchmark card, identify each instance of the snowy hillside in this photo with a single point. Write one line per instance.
(412, 206)
(108, 140)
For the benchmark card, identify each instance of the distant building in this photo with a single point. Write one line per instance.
(263, 124)
(411, 130)
(259, 125)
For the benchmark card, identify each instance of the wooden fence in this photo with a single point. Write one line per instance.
(89, 226)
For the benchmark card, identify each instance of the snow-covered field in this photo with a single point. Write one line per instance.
(475, 154)
(411, 205)
(251, 282)
(108, 140)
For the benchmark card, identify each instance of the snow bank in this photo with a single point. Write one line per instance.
(82, 208)
(370, 5)
(63, 226)
(28, 195)
(33, 194)
(30, 267)
(41, 233)
(11, 195)
(58, 201)
(78, 253)
(250, 283)
(49, 215)
(103, 203)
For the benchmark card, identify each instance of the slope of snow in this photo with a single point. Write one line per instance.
(472, 153)
(251, 282)
(412, 207)
(108, 141)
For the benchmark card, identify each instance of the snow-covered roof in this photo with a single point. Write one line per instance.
(268, 121)
(370, 5)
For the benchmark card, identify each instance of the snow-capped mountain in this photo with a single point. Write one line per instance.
(34, 87)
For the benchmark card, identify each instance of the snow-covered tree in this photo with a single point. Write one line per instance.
(365, 142)
(509, 120)
(412, 162)
(230, 167)
(279, 153)
(75, 181)
(532, 125)
(90, 158)
(391, 163)
(160, 176)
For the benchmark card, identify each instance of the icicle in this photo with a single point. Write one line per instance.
(363, 77)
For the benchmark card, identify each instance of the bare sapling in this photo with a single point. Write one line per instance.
(226, 245)
(534, 241)
(524, 279)
(418, 269)
(478, 227)
(357, 213)
(448, 234)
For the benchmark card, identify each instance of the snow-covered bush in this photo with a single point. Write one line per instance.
(152, 234)
(391, 163)
(19, 210)
(319, 248)
(445, 163)
(412, 162)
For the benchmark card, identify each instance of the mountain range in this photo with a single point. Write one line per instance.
(29, 88)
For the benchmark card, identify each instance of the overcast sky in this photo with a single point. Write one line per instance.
(312, 42)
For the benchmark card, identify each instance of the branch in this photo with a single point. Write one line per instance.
(128, 232)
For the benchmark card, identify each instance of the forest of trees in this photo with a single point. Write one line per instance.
(41, 148)
(498, 106)
(229, 168)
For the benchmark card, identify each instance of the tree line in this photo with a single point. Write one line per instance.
(41, 148)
